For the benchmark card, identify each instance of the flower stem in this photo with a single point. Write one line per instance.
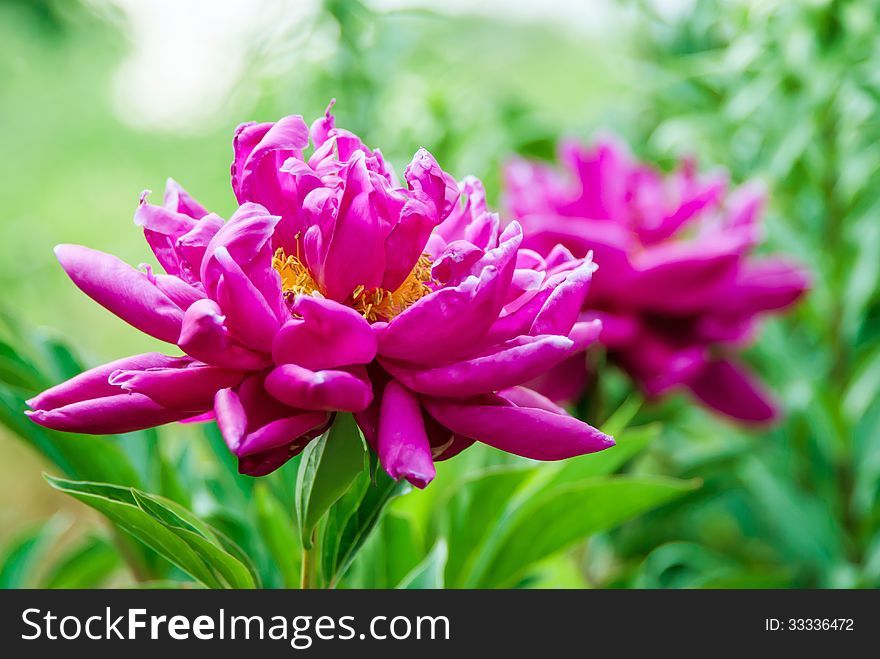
(307, 576)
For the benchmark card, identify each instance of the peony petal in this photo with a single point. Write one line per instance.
(94, 382)
(355, 254)
(180, 201)
(565, 383)
(329, 390)
(449, 322)
(177, 290)
(246, 236)
(162, 227)
(560, 311)
(685, 277)
(122, 290)
(618, 330)
(192, 245)
(433, 192)
(472, 210)
(528, 397)
(527, 431)
(260, 150)
(181, 385)
(328, 335)
(404, 450)
(252, 421)
(731, 390)
(506, 365)
(108, 415)
(767, 284)
(203, 335)
(249, 317)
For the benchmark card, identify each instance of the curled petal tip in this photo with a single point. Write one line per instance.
(420, 481)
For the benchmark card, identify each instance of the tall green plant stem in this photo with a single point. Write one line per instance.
(307, 576)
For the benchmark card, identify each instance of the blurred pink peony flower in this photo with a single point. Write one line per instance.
(333, 289)
(678, 291)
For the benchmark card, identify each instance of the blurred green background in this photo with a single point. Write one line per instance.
(104, 98)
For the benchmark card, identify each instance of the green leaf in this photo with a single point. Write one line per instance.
(473, 512)
(561, 516)
(630, 442)
(623, 415)
(24, 558)
(166, 584)
(167, 528)
(352, 520)
(88, 565)
(61, 359)
(277, 530)
(170, 483)
(82, 457)
(18, 371)
(428, 573)
(229, 483)
(329, 466)
(218, 551)
(399, 547)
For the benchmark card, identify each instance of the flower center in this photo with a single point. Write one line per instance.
(374, 304)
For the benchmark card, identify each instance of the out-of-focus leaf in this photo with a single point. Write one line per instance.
(24, 559)
(170, 483)
(277, 530)
(623, 415)
(429, 573)
(630, 442)
(562, 516)
(228, 483)
(89, 565)
(78, 456)
(472, 514)
(329, 466)
(803, 524)
(60, 358)
(167, 584)
(18, 371)
(400, 548)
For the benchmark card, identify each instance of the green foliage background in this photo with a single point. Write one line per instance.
(783, 92)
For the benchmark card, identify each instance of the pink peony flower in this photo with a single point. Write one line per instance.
(334, 289)
(678, 291)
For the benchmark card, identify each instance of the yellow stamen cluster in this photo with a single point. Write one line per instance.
(378, 304)
(295, 277)
(373, 304)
